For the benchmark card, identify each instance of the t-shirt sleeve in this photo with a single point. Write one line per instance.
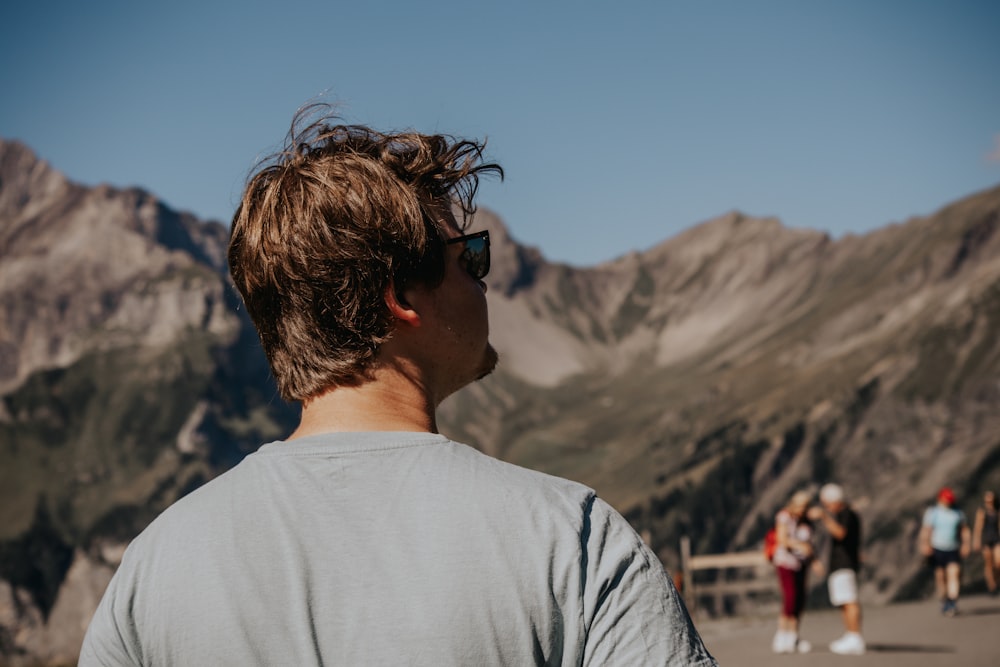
(110, 639)
(928, 517)
(633, 613)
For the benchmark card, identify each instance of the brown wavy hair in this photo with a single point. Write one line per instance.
(326, 223)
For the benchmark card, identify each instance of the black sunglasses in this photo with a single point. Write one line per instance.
(475, 257)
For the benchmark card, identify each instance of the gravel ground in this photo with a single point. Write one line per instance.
(913, 634)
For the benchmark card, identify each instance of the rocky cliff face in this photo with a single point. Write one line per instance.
(698, 384)
(128, 376)
(694, 385)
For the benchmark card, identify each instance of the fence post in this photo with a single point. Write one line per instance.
(690, 598)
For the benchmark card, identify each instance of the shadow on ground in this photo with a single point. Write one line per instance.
(981, 611)
(910, 648)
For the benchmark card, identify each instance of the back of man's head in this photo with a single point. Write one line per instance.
(329, 223)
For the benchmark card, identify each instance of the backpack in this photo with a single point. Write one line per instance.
(770, 544)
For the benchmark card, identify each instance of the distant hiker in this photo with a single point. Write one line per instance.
(844, 527)
(792, 558)
(366, 538)
(986, 537)
(944, 539)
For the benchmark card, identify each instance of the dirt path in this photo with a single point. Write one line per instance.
(914, 634)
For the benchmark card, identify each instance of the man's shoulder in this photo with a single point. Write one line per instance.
(945, 515)
(955, 514)
(506, 475)
(443, 469)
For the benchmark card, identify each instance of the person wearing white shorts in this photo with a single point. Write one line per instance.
(843, 587)
(844, 527)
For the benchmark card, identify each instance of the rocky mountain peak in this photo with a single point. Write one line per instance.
(87, 269)
(695, 385)
(27, 183)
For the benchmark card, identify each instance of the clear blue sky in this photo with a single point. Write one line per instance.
(619, 123)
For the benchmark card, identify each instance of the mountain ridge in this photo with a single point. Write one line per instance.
(694, 384)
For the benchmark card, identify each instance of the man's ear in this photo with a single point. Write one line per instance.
(399, 307)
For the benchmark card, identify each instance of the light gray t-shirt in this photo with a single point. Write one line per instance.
(946, 527)
(389, 549)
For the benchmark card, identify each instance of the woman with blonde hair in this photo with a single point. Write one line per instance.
(792, 557)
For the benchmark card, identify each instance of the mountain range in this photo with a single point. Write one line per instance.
(695, 385)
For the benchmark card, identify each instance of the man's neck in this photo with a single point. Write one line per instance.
(390, 401)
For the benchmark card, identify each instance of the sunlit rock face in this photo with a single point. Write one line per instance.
(695, 385)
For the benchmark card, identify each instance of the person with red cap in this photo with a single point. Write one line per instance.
(944, 540)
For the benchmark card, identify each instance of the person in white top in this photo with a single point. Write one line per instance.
(792, 559)
(366, 538)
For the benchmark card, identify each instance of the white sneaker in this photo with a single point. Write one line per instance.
(803, 646)
(850, 644)
(784, 642)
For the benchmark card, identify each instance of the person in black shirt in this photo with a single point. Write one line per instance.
(844, 527)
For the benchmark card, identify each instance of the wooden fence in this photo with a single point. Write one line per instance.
(743, 580)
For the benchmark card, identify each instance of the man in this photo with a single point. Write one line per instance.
(366, 538)
(844, 527)
(944, 540)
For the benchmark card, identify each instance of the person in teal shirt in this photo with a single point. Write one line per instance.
(944, 540)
